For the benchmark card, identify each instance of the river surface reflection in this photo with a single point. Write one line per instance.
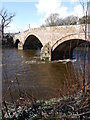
(41, 79)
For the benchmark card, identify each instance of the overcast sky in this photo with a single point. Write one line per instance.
(34, 12)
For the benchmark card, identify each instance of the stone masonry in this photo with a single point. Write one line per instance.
(51, 37)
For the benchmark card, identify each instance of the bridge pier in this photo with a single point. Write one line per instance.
(46, 52)
(20, 46)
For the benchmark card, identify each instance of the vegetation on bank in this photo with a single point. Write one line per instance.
(65, 108)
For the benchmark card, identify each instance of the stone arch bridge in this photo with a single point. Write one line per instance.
(54, 42)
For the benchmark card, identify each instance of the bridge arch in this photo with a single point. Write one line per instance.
(16, 43)
(64, 47)
(32, 42)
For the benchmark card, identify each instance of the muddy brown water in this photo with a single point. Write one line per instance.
(43, 80)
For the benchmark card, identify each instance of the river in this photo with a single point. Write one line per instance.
(43, 80)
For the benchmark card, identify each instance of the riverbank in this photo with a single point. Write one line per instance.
(68, 107)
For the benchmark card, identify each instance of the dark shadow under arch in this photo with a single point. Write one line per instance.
(32, 43)
(16, 43)
(65, 49)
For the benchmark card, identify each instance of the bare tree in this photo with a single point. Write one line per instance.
(55, 20)
(52, 20)
(70, 20)
(6, 19)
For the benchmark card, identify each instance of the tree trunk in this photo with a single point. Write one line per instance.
(2, 32)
